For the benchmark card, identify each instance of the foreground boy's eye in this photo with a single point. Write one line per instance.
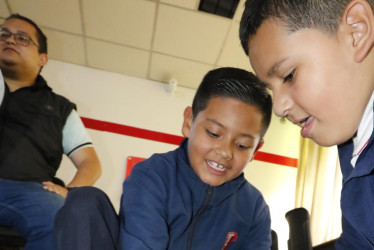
(289, 77)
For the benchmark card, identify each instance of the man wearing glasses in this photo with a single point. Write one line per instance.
(37, 126)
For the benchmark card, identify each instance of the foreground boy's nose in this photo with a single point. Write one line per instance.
(281, 104)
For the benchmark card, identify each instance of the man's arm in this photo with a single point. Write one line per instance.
(89, 170)
(77, 145)
(2, 88)
(88, 165)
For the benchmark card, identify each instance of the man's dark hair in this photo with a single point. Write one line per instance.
(234, 83)
(324, 15)
(42, 39)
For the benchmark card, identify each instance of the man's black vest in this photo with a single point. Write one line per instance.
(31, 124)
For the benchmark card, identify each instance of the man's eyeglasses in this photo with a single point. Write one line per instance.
(20, 39)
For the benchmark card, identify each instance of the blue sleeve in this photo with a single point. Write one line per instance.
(259, 236)
(143, 213)
(351, 239)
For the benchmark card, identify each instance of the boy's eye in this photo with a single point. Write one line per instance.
(243, 147)
(212, 134)
(289, 77)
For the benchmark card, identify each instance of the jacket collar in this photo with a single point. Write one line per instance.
(39, 83)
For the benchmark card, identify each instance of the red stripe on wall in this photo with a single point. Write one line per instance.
(277, 159)
(172, 139)
(131, 131)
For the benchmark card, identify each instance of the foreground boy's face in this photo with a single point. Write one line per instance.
(223, 139)
(314, 80)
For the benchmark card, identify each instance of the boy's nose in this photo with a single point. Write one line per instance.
(282, 104)
(224, 150)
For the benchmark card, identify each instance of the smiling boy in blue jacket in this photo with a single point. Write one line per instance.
(196, 197)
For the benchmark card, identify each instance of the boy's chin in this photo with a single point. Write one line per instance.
(329, 142)
(214, 183)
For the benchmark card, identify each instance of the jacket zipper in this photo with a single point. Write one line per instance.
(207, 198)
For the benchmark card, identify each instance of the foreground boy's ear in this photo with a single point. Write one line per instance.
(358, 18)
(259, 145)
(187, 122)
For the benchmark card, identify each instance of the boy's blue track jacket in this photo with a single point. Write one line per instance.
(357, 198)
(165, 205)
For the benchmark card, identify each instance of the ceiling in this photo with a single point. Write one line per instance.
(152, 39)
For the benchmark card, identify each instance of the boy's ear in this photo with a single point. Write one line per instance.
(358, 18)
(187, 122)
(259, 145)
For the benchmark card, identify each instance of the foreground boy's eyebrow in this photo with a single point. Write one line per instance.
(274, 68)
(221, 125)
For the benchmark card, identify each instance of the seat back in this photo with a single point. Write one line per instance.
(274, 240)
(131, 162)
(299, 234)
(10, 238)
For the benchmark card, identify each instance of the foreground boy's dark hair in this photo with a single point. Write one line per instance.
(42, 39)
(234, 83)
(324, 15)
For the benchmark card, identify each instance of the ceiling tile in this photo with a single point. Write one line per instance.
(189, 34)
(4, 12)
(186, 43)
(61, 15)
(188, 73)
(65, 47)
(116, 58)
(125, 22)
(189, 4)
(232, 53)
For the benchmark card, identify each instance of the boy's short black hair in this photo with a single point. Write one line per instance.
(324, 15)
(234, 83)
(42, 39)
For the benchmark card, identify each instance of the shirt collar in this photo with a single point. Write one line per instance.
(364, 131)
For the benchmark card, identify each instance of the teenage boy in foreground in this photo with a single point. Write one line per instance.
(194, 197)
(317, 58)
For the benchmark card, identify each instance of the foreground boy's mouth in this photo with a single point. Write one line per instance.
(305, 125)
(304, 122)
(216, 168)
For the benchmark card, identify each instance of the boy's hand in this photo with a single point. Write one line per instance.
(54, 188)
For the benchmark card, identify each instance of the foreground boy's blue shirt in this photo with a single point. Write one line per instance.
(357, 198)
(166, 206)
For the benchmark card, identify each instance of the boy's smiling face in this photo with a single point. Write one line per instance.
(315, 79)
(223, 138)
